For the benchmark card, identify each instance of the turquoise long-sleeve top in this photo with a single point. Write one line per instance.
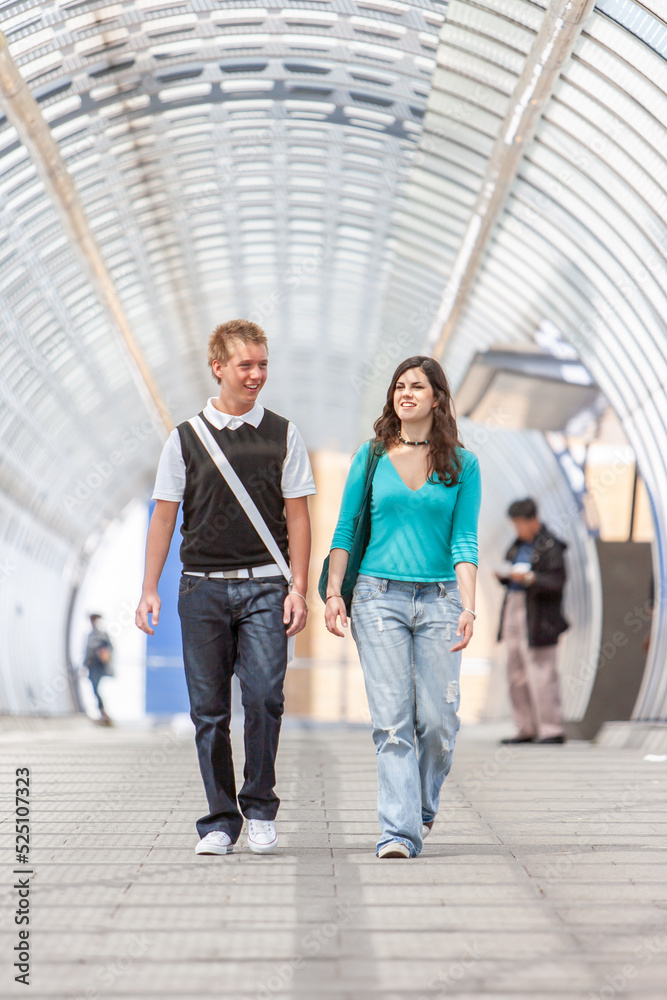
(416, 535)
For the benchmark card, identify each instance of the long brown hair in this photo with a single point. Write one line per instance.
(444, 463)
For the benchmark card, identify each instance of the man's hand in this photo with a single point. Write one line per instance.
(160, 531)
(150, 603)
(334, 609)
(525, 579)
(296, 612)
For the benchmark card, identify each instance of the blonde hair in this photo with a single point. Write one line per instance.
(221, 342)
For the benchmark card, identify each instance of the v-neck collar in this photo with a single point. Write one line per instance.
(409, 488)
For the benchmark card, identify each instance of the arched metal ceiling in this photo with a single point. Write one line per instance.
(233, 159)
(268, 160)
(236, 159)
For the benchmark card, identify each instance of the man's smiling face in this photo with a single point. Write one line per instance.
(243, 377)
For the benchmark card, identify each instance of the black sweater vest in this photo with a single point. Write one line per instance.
(217, 534)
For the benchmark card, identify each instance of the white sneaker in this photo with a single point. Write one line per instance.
(426, 829)
(394, 849)
(215, 842)
(262, 836)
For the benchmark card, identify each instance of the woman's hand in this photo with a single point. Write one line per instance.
(464, 631)
(335, 609)
(335, 605)
(466, 578)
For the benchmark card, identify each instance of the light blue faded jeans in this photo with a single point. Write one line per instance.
(404, 633)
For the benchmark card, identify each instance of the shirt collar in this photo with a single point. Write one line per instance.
(221, 420)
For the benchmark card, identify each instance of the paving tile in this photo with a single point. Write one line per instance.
(544, 878)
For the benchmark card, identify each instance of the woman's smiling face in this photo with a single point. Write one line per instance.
(413, 396)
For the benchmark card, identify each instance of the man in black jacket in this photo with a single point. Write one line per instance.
(530, 623)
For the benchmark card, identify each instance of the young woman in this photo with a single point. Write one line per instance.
(414, 602)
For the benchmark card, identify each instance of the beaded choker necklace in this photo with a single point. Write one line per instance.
(413, 443)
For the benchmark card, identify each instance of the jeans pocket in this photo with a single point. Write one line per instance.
(188, 584)
(452, 597)
(364, 592)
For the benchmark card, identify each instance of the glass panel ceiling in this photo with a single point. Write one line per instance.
(210, 146)
(291, 162)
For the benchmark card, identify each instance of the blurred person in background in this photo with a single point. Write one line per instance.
(97, 660)
(530, 623)
(413, 606)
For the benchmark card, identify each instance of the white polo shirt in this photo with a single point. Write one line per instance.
(297, 475)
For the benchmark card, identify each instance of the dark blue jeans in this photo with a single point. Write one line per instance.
(235, 626)
(96, 671)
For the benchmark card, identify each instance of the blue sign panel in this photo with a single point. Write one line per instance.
(166, 691)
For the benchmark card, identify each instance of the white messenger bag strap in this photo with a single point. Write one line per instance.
(240, 492)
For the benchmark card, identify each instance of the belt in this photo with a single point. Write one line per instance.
(239, 574)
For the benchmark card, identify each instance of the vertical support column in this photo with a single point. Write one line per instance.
(561, 27)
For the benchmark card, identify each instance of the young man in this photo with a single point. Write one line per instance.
(235, 606)
(530, 624)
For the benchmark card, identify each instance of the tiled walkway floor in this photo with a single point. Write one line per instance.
(545, 876)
